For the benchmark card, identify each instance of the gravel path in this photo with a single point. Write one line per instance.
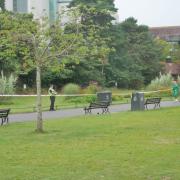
(77, 112)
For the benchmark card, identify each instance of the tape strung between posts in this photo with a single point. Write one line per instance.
(82, 95)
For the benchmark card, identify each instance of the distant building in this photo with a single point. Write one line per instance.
(39, 8)
(172, 68)
(169, 33)
(62, 7)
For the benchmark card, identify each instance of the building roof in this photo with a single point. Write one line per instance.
(172, 68)
(169, 33)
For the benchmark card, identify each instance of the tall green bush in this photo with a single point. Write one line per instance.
(162, 82)
(71, 89)
(7, 84)
(92, 89)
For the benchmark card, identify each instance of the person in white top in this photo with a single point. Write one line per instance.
(52, 93)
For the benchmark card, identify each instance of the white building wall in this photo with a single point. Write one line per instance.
(39, 8)
(62, 8)
(9, 5)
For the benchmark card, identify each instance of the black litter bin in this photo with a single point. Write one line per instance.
(137, 101)
(104, 97)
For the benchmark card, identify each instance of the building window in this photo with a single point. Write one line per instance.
(52, 10)
(20, 6)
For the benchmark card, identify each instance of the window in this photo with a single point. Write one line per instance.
(20, 6)
(52, 10)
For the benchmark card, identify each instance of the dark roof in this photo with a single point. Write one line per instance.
(172, 68)
(169, 33)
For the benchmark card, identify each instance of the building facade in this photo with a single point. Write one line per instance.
(39, 8)
(170, 34)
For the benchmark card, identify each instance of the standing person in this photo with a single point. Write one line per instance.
(52, 94)
(175, 90)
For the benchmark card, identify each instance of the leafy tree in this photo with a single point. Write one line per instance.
(52, 47)
(95, 15)
(137, 56)
(96, 20)
(98, 4)
(14, 54)
(165, 48)
(2, 4)
(27, 45)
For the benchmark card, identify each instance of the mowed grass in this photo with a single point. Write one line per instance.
(27, 104)
(128, 145)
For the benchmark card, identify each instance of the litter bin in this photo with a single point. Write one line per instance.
(104, 97)
(137, 101)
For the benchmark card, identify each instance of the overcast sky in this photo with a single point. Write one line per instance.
(150, 12)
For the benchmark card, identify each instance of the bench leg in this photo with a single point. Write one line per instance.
(155, 106)
(87, 111)
(107, 110)
(146, 107)
(103, 110)
(7, 120)
(1, 121)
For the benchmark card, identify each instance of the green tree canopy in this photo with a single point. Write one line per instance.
(2, 4)
(137, 57)
(98, 4)
(13, 53)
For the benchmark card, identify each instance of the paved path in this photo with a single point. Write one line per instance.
(77, 112)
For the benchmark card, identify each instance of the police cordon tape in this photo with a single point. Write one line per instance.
(83, 95)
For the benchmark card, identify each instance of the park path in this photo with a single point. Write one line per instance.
(78, 112)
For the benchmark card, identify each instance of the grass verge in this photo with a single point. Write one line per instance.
(128, 145)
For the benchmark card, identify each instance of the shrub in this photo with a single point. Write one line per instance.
(80, 100)
(162, 82)
(71, 89)
(92, 89)
(117, 98)
(7, 85)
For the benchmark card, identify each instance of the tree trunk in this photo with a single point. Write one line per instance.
(39, 104)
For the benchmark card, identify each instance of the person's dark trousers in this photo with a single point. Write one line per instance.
(52, 99)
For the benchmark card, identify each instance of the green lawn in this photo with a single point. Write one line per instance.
(27, 104)
(128, 145)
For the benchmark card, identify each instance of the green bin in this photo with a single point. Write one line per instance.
(104, 97)
(137, 101)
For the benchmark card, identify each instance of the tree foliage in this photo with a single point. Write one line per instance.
(123, 53)
(98, 4)
(14, 54)
(137, 56)
(2, 4)
(96, 21)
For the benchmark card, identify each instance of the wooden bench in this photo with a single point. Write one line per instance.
(4, 115)
(97, 105)
(155, 101)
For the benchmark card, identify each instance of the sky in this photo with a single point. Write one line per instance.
(153, 13)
